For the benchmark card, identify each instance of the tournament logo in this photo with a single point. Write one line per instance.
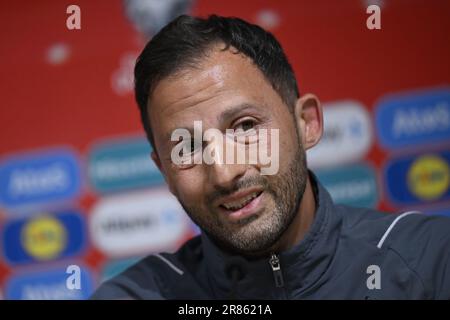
(418, 179)
(44, 237)
(37, 178)
(121, 165)
(414, 119)
(347, 135)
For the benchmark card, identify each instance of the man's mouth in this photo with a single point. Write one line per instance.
(242, 204)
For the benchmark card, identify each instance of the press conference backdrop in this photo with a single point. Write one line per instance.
(78, 192)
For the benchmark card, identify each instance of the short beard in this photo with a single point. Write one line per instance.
(258, 234)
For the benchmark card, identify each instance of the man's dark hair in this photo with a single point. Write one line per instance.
(186, 40)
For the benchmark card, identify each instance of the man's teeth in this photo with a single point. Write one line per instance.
(238, 204)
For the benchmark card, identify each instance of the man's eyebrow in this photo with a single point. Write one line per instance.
(234, 110)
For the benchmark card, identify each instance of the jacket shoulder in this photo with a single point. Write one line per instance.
(137, 282)
(420, 240)
(423, 242)
(365, 224)
(155, 277)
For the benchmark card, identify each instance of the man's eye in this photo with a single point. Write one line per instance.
(246, 125)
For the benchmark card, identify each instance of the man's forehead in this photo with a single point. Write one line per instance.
(218, 67)
(221, 71)
(188, 86)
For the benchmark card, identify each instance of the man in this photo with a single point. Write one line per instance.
(273, 236)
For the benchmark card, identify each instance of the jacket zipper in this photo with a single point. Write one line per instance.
(276, 269)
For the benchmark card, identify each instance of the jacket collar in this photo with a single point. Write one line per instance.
(302, 266)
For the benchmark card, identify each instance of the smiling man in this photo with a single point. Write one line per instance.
(264, 236)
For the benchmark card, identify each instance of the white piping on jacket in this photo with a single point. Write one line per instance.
(385, 235)
(170, 264)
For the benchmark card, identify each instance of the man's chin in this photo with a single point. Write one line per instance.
(249, 243)
(246, 222)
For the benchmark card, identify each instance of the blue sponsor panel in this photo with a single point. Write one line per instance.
(122, 165)
(44, 237)
(354, 185)
(37, 178)
(415, 119)
(71, 282)
(418, 179)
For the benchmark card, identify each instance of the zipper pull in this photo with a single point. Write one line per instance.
(276, 269)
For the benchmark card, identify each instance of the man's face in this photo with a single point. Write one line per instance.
(237, 206)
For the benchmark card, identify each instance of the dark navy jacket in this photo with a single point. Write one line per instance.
(348, 253)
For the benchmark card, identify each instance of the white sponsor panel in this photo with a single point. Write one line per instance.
(138, 223)
(347, 135)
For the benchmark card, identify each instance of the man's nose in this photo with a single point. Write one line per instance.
(222, 172)
(225, 175)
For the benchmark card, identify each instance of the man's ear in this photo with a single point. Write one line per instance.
(309, 117)
(157, 161)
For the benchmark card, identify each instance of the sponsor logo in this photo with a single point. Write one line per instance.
(351, 185)
(429, 177)
(138, 223)
(44, 237)
(347, 135)
(39, 178)
(423, 178)
(123, 165)
(48, 285)
(414, 119)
